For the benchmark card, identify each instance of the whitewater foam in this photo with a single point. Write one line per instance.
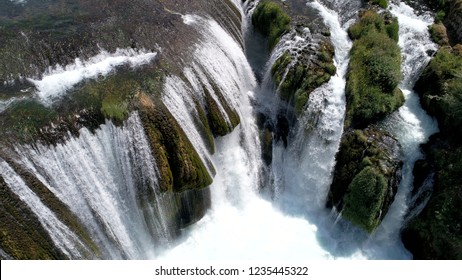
(56, 81)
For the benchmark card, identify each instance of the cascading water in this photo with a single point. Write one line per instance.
(105, 178)
(300, 227)
(411, 124)
(95, 174)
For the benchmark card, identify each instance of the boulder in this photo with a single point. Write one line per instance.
(366, 176)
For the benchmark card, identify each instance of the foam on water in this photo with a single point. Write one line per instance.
(56, 81)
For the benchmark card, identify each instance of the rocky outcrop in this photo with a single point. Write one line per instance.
(298, 74)
(436, 232)
(22, 236)
(271, 20)
(374, 71)
(366, 176)
(368, 167)
(306, 66)
(439, 87)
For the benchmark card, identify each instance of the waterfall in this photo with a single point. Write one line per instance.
(106, 178)
(300, 227)
(64, 239)
(109, 177)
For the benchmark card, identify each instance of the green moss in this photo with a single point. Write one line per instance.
(59, 208)
(374, 71)
(115, 93)
(301, 97)
(365, 176)
(205, 128)
(23, 120)
(21, 234)
(270, 19)
(436, 233)
(364, 199)
(439, 16)
(179, 164)
(440, 86)
(220, 125)
(381, 3)
(439, 34)
(296, 81)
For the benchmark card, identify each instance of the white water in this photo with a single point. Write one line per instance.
(94, 174)
(64, 239)
(411, 124)
(56, 81)
(18, 1)
(296, 225)
(240, 224)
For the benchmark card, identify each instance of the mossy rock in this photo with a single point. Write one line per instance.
(179, 165)
(436, 233)
(364, 199)
(219, 124)
(204, 127)
(62, 212)
(439, 34)
(381, 3)
(21, 234)
(374, 71)
(366, 176)
(303, 76)
(270, 19)
(440, 88)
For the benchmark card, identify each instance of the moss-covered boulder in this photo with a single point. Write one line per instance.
(219, 124)
(374, 71)
(271, 20)
(439, 34)
(366, 176)
(436, 233)
(440, 88)
(297, 74)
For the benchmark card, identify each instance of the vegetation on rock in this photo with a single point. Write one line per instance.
(440, 87)
(296, 79)
(21, 234)
(364, 199)
(366, 176)
(439, 34)
(449, 13)
(270, 19)
(436, 233)
(381, 3)
(180, 166)
(375, 70)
